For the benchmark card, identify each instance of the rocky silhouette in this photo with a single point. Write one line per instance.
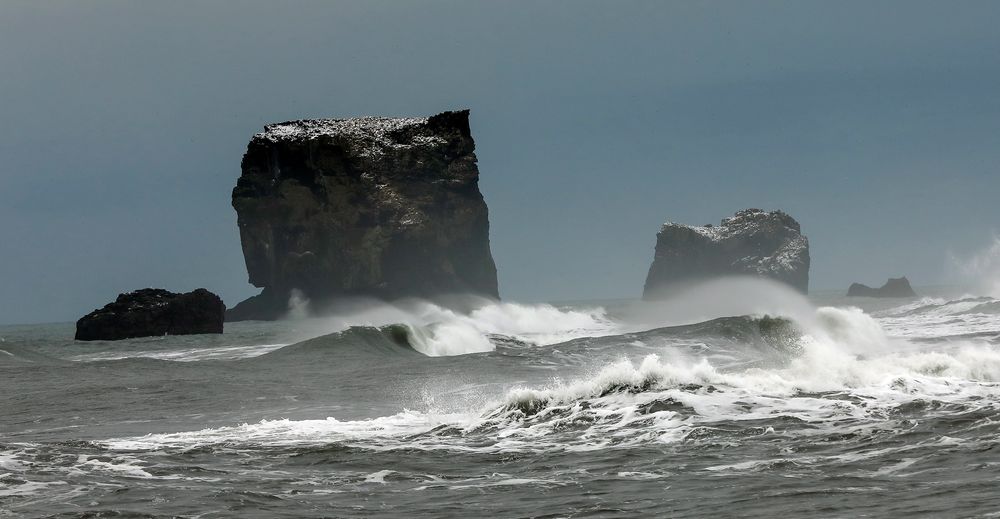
(152, 312)
(372, 206)
(895, 287)
(752, 242)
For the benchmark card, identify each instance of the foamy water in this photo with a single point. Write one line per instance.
(583, 409)
(847, 351)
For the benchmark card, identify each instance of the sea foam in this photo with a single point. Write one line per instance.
(439, 331)
(848, 375)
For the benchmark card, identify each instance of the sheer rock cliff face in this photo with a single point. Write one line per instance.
(152, 312)
(376, 207)
(895, 287)
(753, 242)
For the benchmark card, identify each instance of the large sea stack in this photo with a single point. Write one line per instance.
(753, 242)
(151, 312)
(372, 206)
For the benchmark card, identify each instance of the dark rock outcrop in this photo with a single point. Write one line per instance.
(151, 312)
(372, 206)
(753, 242)
(895, 287)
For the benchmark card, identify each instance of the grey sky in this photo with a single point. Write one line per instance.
(875, 124)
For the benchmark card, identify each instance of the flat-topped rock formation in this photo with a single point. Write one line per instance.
(372, 206)
(752, 242)
(895, 287)
(153, 312)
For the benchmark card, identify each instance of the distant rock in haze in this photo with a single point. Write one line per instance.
(372, 206)
(895, 287)
(752, 242)
(152, 312)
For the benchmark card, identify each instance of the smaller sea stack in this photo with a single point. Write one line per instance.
(152, 312)
(895, 287)
(752, 242)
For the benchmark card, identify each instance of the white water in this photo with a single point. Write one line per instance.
(186, 354)
(842, 351)
(723, 297)
(938, 318)
(439, 331)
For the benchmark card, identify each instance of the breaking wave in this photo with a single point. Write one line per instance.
(846, 375)
(13, 354)
(385, 400)
(439, 331)
(939, 319)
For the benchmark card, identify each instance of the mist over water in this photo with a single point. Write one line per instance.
(981, 270)
(871, 127)
(859, 404)
(436, 330)
(721, 298)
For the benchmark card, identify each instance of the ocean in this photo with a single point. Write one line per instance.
(739, 398)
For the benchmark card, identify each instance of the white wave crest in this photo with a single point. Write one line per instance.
(938, 318)
(847, 376)
(284, 432)
(440, 331)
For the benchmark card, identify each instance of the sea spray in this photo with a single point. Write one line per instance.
(980, 270)
(846, 369)
(723, 297)
(440, 331)
(298, 305)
